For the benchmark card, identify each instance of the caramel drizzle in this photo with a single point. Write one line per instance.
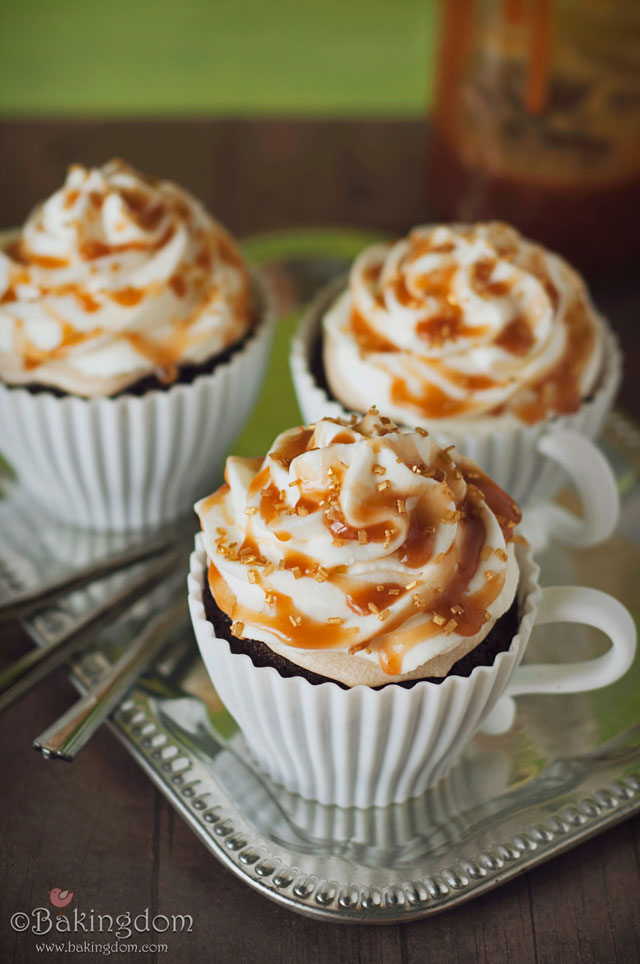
(449, 605)
(556, 392)
(163, 353)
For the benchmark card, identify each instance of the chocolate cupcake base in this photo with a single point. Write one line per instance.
(497, 641)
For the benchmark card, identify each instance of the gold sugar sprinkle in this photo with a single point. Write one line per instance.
(418, 601)
(449, 628)
(383, 615)
(295, 620)
(378, 469)
(380, 588)
(300, 510)
(363, 538)
(422, 431)
(400, 503)
(486, 617)
(281, 564)
(268, 569)
(388, 536)
(252, 576)
(373, 608)
(412, 585)
(450, 516)
(457, 610)
(489, 575)
(476, 492)
(334, 620)
(381, 486)
(486, 552)
(501, 554)
(237, 628)
(394, 592)
(297, 572)
(321, 575)
(250, 510)
(269, 597)
(438, 619)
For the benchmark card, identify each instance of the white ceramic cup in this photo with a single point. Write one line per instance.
(530, 462)
(364, 747)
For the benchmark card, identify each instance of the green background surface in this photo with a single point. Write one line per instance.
(238, 57)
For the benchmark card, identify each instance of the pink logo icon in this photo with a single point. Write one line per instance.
(60, 898)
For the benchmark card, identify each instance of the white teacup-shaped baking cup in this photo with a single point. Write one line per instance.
(132, 462)
(530, 462)
(364, 747)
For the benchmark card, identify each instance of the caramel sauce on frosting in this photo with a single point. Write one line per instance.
(117, 276)
(458, 321)
(359, 537)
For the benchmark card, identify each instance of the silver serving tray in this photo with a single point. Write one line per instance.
(568, 769)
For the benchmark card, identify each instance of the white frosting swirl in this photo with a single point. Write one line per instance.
(117, 276)
(461, 322)
(361, 551)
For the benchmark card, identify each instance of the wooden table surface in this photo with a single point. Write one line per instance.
(99, 827)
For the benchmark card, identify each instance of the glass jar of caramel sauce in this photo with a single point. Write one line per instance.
(536, 121)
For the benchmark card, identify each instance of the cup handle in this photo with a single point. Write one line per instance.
(595, 484)
(571, 604)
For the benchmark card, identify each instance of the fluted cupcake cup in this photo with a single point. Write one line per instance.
(365, 747)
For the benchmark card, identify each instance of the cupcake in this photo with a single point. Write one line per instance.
(133, 341)
(360, 599)
(473, 332)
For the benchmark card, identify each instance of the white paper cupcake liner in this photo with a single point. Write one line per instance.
(132, 462)
(355, 747)
(509, 454)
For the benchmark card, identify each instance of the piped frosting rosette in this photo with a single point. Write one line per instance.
(361, 551)
(117, 276)
(458, 323)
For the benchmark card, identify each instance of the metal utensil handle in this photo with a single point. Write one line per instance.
(17, 678)
(30, 600)
(66, 737)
